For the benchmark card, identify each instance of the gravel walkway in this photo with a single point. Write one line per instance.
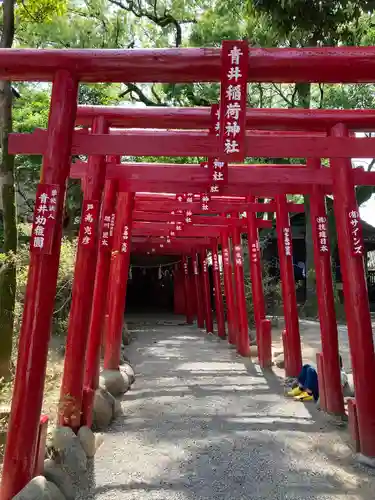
(200, 423)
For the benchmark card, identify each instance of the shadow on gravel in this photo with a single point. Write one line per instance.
(203, 424)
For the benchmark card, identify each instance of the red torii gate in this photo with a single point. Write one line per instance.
(66, 68)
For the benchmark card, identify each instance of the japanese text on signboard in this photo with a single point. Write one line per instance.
(44, 222)
(356, 233)
(125, 240)
(287, 241)
(322, 234)
(235, 59)
(108, 225)
(89, 221)
(238, 255)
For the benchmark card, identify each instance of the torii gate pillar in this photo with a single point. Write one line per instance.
(23, 426)
(118, 280)
(355, 296)
(83, 286)
(98, 310)
(292, 341)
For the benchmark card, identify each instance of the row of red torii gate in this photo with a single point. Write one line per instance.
(188, 210)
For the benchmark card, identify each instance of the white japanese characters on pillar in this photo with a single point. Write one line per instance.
(172, 234)
(44, 222)
(181, 197)
(205, 267)
(226, 257)
(106, 233)
(215, 261)
(189, 197)
(238, 255)
(356, 234)
(186, 268)
(322, 234)
(205, 198)
(89, 223)
(287, 241)
(235, 61)
(254, 255)
(179, 226)
(195, 267)
(218, 171)
(125, 240)
(188, 214)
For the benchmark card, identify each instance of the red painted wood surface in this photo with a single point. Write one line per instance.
(334, 401)
(318, 120)
(41, 446)
(98, 309)
(355, 300)
(118, 279)
(293, 359)
(199, 144)
(216, 205)
(206, 292)
(22, 436)
(229, 289)
(198, 290)
(243, 346)
(82, 294)
(255, 267)
(186, 65)
(219, 307)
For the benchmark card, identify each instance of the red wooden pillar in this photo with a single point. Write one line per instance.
(188, 292)
(207, 292)
(355, 296)
(229, 289)
(220, 318)
(326, 304)
(82, 294)
(118, 280)
(27, 399)
(255, 267)
(293, 362)
(198, 291)
(243, 345)
(107, 220)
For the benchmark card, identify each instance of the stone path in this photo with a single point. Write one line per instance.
(200, 423)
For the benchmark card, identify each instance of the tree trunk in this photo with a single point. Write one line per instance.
(7, 192)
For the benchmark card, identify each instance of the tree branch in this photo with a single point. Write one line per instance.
(132, 88)
(289, 103)
(164, 20)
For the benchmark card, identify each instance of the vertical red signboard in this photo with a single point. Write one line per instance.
(322, 234)
(234, 62)
(89, 220)
(356, 235)
(255, 252)
(106, 231)
(238, 255)
(215, 262)
(125, 240)
(287, 241)
(44, 222)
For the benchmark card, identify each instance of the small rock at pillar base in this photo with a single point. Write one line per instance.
(87, 440)
(103, 409)
(115, 382)
(364, 460)
(69, 449)
(129, 371)
(40, 489)
(56, 475)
